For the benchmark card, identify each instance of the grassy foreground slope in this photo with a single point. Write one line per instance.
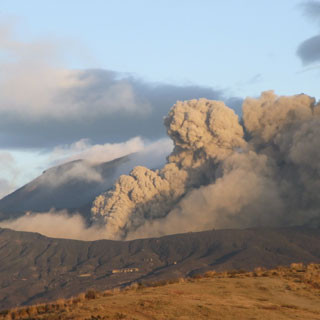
(281, 293)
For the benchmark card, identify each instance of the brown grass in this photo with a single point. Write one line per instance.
(280, 293)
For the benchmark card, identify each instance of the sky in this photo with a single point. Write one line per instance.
(77, 76)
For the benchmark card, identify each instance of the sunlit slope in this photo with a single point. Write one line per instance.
(282, 293)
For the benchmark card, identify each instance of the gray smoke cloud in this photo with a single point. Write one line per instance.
(309, 50)
(223, 173)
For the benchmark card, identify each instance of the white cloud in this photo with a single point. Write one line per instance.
(8, 173)
(96, 153)
(38, 94)
(34, 86)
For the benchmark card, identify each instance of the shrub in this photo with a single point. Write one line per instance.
(107, 293)
(297, 266)
(91, 294)
(32, 310)
(119, 316)
(210, 274)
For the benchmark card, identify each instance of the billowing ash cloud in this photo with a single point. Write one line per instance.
(222, 173)
(263, 170)
(203, 133)
(309, 50)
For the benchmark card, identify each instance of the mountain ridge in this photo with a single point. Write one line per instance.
(35, 268)
(63, 187)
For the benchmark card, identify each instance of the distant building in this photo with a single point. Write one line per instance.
(125, 270)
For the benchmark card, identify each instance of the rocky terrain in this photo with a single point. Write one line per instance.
(36, 269)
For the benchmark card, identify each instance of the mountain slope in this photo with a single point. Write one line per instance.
(35, 268)
(68, 186)
(281, 293)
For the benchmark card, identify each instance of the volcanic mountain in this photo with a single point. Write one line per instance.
(71, 186)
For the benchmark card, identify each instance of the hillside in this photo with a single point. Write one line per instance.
(71, 186)
(281, 293)
(35, 268)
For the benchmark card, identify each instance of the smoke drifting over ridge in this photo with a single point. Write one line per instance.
(56, 224)
(222, 173)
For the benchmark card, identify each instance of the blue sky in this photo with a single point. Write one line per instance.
(224, 44)
(109, 70)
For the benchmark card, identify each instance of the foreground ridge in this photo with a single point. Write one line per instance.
(277, 293)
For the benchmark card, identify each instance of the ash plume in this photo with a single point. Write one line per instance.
(204, 132)
(224, 173)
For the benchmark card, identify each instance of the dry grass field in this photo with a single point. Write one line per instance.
(282, 293)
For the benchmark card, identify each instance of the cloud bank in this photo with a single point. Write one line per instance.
(37, 94)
